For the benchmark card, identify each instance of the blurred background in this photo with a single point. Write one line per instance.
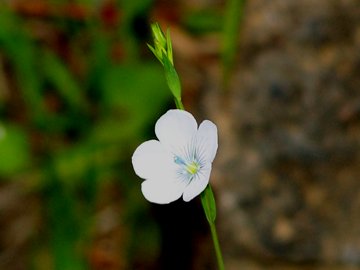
(79, 91)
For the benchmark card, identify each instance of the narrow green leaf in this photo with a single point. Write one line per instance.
(209, 205)
(172, 78)
(169, 47)
(152, 49)
(158, 35)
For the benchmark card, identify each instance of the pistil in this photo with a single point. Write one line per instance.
(192, 168)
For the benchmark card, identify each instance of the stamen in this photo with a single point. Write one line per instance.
(188, 168)
(179, 161)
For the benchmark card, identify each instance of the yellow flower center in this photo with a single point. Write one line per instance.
(192, 168)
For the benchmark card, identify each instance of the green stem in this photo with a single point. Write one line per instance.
(219, 257)
(209, 205)
(172, 78)
(179, 104)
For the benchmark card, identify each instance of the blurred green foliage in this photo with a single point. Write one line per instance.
(203, 21)
(72, 131)
(15, 152)
(233, 16)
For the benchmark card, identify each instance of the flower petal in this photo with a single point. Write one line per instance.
(198, 184)
(207, 141)
(162, 192)
(175, 129)
(152, 160)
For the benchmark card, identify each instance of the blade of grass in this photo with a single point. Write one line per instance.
(22, 55)
(65, 227)
(231, 31)
(63, 81)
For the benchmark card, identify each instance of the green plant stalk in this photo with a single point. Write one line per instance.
(219, 257)
(179, 104)
(209, 206)
(162, 49)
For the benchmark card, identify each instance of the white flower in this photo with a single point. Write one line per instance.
(179, 163)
